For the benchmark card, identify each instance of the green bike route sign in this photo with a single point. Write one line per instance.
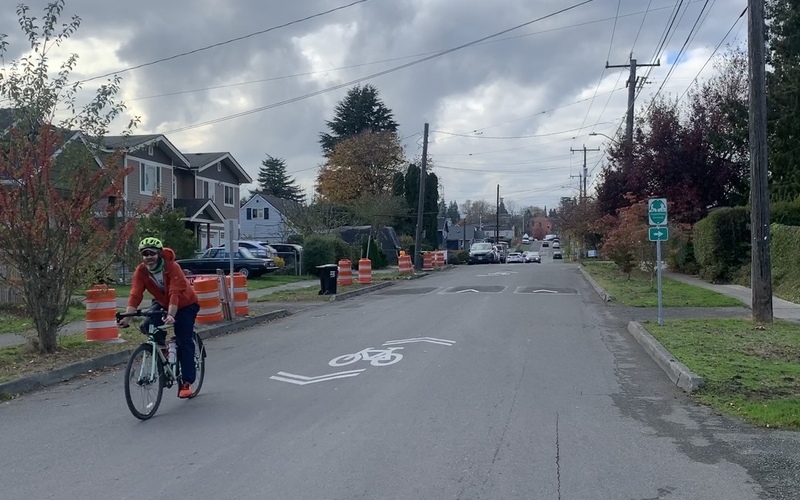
(657, 211)
(658, 233)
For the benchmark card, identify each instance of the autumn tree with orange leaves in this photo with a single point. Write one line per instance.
(362, 165)
(58, 190)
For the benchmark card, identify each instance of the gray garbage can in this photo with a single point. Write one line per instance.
(328, 274)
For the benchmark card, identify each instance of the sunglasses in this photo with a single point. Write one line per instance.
(149, 253)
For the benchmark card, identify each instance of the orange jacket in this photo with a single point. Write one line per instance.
(177, 291)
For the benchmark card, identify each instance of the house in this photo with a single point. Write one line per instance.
(456, 239)
(266, 218)
(206, 185)
(444, 225)
(504, 233)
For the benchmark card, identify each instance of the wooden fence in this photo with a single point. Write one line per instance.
(9, 294)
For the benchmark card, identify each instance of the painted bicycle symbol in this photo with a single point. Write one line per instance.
(376, 357)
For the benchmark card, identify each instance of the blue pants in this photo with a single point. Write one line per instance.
(184, 336)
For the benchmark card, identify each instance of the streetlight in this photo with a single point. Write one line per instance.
(607, 137)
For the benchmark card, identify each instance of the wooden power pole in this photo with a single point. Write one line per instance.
(631, 93)
(585, 173)
(761, 261)
(421, 203)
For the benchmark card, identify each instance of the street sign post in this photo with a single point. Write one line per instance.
(658, 232)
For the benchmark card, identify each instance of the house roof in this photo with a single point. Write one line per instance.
(202, 161)
(444, 223)
(132, 143)
(200, 210)
(285, 207)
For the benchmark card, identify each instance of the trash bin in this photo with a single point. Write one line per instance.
(327, 279)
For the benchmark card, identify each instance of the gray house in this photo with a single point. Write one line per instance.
(205, 185)
(456, 239)
(266, 218)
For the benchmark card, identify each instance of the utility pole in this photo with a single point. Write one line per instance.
(631, 92)
(497, 218)
(421, 204)
(760, 259)
(585, 174)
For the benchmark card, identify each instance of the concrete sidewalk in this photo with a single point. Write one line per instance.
(781, 309)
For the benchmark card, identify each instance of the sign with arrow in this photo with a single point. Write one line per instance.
(658, 233)
(657, 211)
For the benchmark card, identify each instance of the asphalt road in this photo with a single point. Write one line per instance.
(527, 387)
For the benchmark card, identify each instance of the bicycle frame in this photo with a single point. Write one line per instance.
(170, 369)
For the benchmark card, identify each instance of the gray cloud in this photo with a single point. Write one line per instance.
(505, 84)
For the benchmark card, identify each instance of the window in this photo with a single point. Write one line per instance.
(208, 190)
(149, 178)
(229, 198)
(257, 213)
(249, 213)
(219, 167)
(174, 187)
(150, 150)
(266, 213)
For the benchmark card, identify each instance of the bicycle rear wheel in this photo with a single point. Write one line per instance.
(143, 387)
(199, 365)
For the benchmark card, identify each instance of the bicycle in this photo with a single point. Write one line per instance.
(154, 371)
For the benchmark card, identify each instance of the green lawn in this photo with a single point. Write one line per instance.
(638, 291)
(751, 372)
(266, 281)
(14, 320)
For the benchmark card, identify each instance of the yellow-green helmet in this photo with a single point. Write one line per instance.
(150, 242)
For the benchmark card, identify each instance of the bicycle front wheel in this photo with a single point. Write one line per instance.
(144, 382)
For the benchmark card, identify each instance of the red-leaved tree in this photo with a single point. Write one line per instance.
(626, 241)
(58, 190)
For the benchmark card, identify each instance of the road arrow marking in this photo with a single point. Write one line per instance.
(468, 290)
(430, 340)
(303, 380)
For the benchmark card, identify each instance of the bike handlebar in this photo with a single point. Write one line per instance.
(141, 313)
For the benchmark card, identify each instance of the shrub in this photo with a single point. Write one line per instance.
(721, 243)
(279, 262)
(786, 213)
(680, 251)
(463, 256)
(785, 255)
(318, 250)
(376, 255)
(295, 239)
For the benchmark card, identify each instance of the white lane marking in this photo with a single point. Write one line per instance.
(431, 340)
(303, 380)
(468, 290)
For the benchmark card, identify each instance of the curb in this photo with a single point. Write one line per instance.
(597, 288)
(64, 374)
(679, 373)
(361, 291)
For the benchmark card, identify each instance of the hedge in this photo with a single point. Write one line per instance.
(785, 254)
(722, 243)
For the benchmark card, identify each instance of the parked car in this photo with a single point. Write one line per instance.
(515, 257)
(219, 258)
(557, 254)
(556, 244)
(533, 257)
(258, 248)
(526, 241)
(482, 253)
(545, 244)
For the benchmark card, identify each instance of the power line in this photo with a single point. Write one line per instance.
(239, 38)
(372, 76)
(400, 58)
(509, 137)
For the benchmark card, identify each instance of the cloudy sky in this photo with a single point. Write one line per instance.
(505, 111)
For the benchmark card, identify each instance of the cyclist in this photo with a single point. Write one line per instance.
(160, 275)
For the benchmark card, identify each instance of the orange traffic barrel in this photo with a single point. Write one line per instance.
(427, 261)
(240, 300)
(101, 310)
(365, 272)
(207, 290)
(404, 265)
(345, 273)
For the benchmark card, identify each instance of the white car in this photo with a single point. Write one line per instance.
(515, 257)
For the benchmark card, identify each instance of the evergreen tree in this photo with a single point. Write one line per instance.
(442, 208)
(783, 97)
(452, 212)
(361, 110)
(273, 180)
